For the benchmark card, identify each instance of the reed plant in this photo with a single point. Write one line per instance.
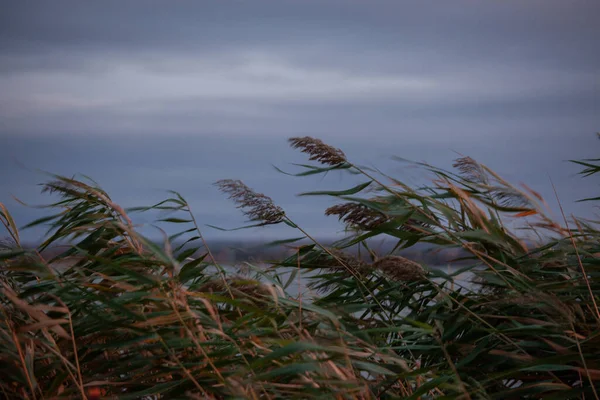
(117, 315)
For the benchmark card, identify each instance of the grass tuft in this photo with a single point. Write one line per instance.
(112, 314)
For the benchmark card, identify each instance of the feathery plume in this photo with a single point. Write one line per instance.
(325, 260)
(470, 169)
(259, 207)
(318, 150)
(399, 268)
(508, 197)
(357, 215)
(239, 283)
(362, 217)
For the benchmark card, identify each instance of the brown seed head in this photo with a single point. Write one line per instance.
(237, 283)
(318, 150)
(362, 217)
(325, 260)
(258, 206)
(399, 268)
(358, 215)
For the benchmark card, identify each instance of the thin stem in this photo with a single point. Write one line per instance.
(347, 267)
(79, 375)
(210, 254)
(583, 271)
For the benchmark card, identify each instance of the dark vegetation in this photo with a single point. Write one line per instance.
(234, 252)
(117, 315)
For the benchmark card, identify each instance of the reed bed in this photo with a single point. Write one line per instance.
(126, 317)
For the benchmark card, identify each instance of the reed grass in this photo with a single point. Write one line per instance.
(116, 315)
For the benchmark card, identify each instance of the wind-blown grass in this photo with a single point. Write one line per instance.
(118, 315)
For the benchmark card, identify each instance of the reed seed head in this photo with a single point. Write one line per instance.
(318, 150)
(470, 169)
(358, 215)
(239, 283)
(258, 207)
(399, 268)
(362, 217)
(325, 260)
(509, 197)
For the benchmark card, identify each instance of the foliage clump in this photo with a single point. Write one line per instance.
(115, 314)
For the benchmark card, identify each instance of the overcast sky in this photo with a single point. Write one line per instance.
(146, 96)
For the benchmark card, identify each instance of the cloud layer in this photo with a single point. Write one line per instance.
(124, 84)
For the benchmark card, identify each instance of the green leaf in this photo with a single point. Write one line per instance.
(287, 370)
(374, 368)
(177, 235)
(176, 220)
(11, 254)
(40, 221)
(588, 199)
(291, 278)
(312, 170)
(549, 367)
(281, 353)
(284, 241)
(354, 190)
(187, 253)
(237, 229)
